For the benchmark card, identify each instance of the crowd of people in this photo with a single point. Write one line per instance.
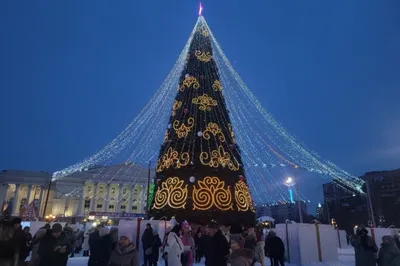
(220, 246)
(367, 252)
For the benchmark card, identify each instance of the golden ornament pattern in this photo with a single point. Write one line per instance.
(243, 197)
(211, 192)
(206, 102)
(188, 82)
(232, 133)
(203, 56)
(176, 106)
(217, 85)
(214, 129)
(172, 193)
(172, 159)
(181, 129)
(219, 157)
(203, 30)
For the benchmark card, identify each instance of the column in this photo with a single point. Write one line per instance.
(105, 207)
(40, 200)
(93, 198)
(119, 198)
(3, 193)
(28, 197)
(15, 205)
(80, 203)
(141, 209)
(129, 207)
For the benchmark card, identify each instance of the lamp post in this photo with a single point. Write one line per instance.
(290, 182)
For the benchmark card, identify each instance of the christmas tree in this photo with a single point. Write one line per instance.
(200, 175)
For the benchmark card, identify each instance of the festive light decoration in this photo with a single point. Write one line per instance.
(203, 56)
(181, 129)
(219, 157)
(243, 197)
(172, 159)
(189, 82)
(211, 192)
(206, 102)
(267, 150)
(214, 129)
(176, 106)
(166, 136)
(172, 193)
(217, 85)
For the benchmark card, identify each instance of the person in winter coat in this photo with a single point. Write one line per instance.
(219, 247)
(174, 247)
(124, 254)
(155, 250)
(93, 238)
(9, 243)
(114, 236)
(69, 234)
(164, 244)
(198, 240)
(259, 253)
(389, 254)
(240, 256)
(147, 242)
(188, 245)
(54, 247)
(275, 249)
(365, 248)
(85, 244)
(101, 251)
(35, 259)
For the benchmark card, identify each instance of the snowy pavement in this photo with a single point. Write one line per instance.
(346, 258)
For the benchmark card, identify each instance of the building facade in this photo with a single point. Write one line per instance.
(115, 191)
(282, 212)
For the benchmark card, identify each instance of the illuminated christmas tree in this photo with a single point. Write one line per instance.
(200, 175)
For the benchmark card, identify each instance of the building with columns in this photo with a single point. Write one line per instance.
(106, 190)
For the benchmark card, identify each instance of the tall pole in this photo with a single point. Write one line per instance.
(148, 191)
(370, 203)
(47, 198)
(298, 197)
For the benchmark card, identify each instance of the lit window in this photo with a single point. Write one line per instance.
(113, 190)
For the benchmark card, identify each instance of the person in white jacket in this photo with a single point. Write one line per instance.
(174, 247)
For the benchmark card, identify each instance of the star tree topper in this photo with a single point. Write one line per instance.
(200, 9)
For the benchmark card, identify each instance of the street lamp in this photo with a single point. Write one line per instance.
(290, 182)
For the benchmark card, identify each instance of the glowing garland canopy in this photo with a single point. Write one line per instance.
(266, 147)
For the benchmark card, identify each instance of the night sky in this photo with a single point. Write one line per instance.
(74, 73)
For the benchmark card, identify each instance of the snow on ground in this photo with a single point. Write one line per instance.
(346, 258)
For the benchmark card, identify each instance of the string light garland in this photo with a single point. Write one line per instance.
(173, 193)
(254, 140)
(212, 192)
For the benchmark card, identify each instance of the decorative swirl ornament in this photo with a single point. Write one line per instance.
(232, 133)
(213, 128)
(203, 56)
(218, 158)
(204, 31)
(206, 102)
(172, 158)
(182, 130)
(176, 106)
(217, 85)
(211, 192)
(172, 193)
(188, 82)
(243, 197)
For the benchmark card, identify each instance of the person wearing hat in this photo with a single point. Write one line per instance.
(155, 249)
(54, 247)
(389, 254)
(125, 254)
(174, 247)
(365, 248)
(101, 251)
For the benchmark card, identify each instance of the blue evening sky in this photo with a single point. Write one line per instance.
(74, 73)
